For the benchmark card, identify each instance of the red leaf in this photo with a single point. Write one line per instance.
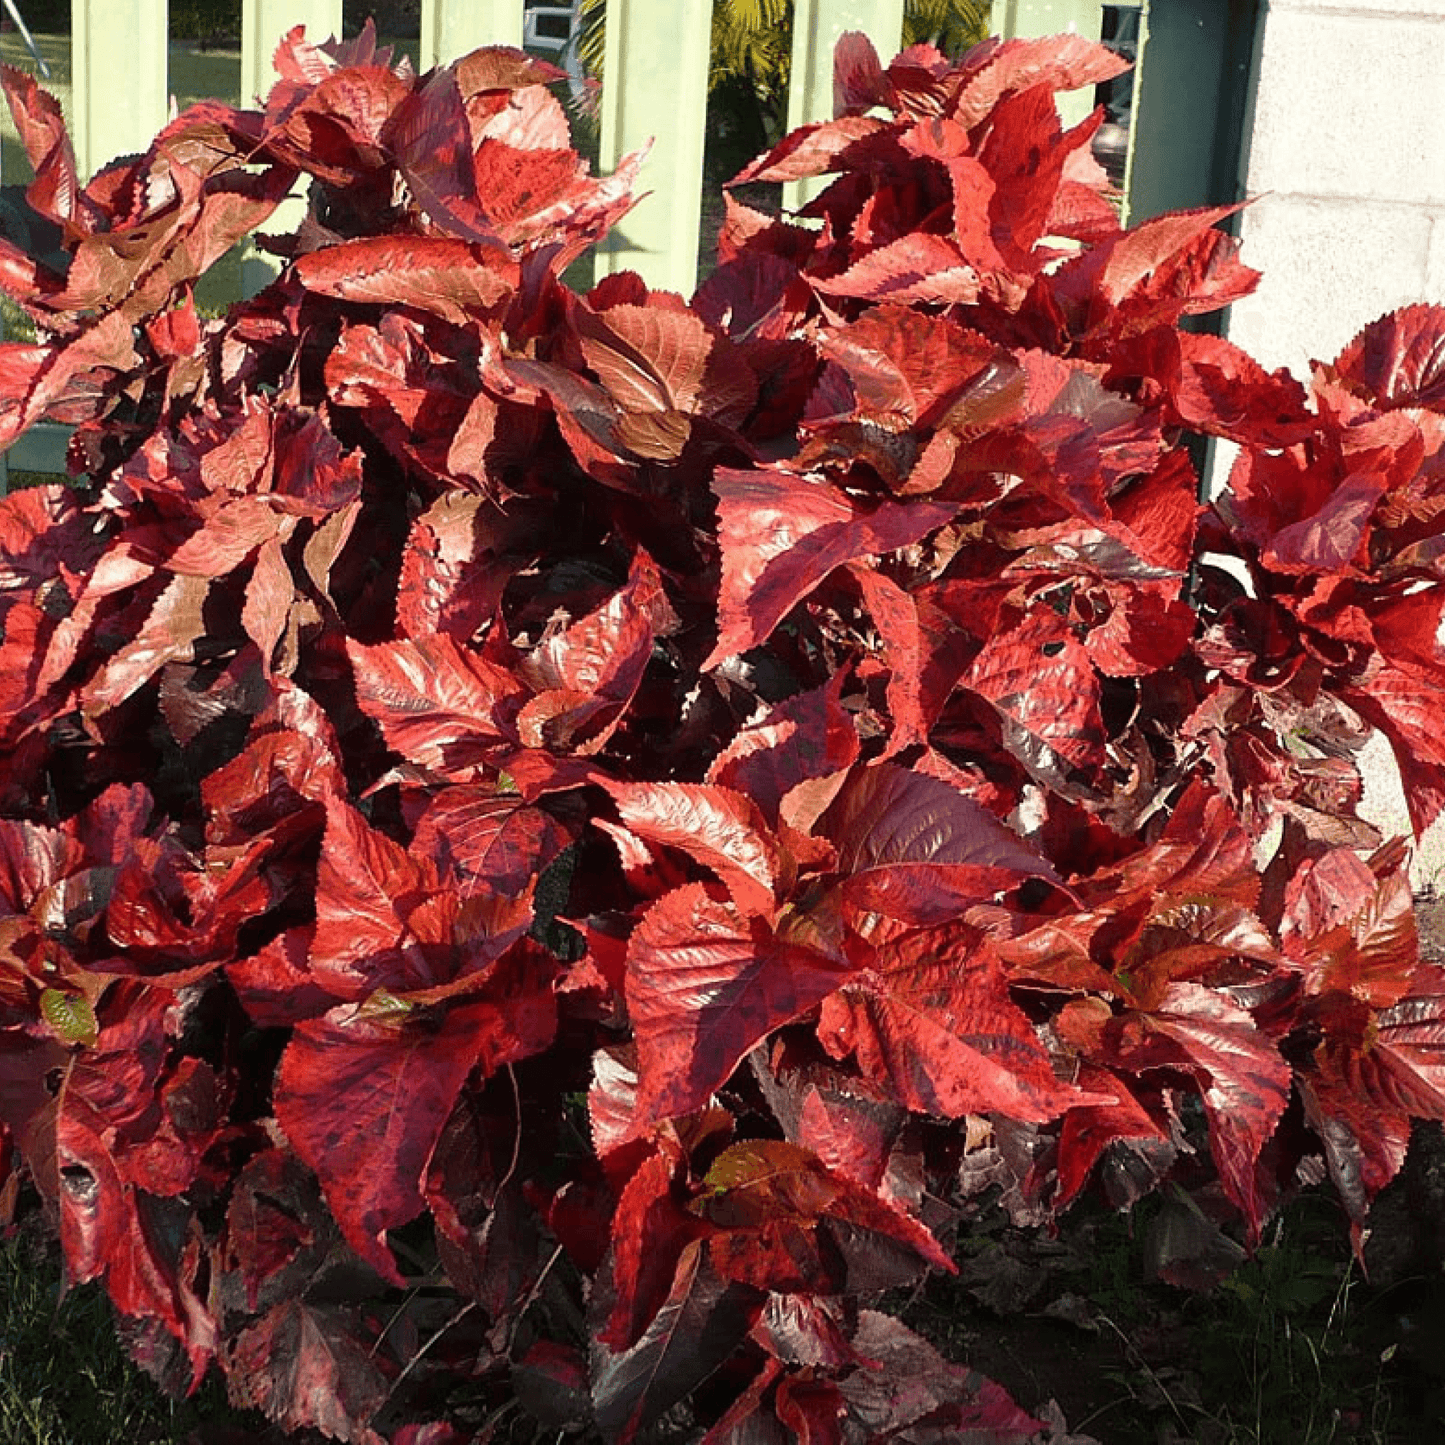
(810, 150)
(1372, 955)
(432, 143)
(771, 1203)
(1155, 249)
(704, 985)
(906, 365)
(919, 267)
(1041, 681)
(585, 675)
(366, 889)
(911, 1384)
(1216, 387)
(720, 829)
(1198, 1029)
(453, 279)
(858, 83)
(649, 359)
(497, 844)
(452, 575)
(854, 1136)
(55, 191)
(914, 847)
(930, 1018)
(1398, 360)
(274, 1228)
(269, 597)
(649, 1232)
(896, 620)
(1362, 1092)
(812, 1410)
(1406, 708)
(1334, 538)
(781, 536)
(306, 1366)
(437, 702)
(364, 1101)
(810, 735)
(1092, 1128)
(1060, 62)
(170, 632)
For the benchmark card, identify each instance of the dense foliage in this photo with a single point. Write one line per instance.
(551, 844)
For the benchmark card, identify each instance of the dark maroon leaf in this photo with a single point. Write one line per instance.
(698, 1326)
(808, 736)
(309, 1366)
(912, 1384)
(913, 847)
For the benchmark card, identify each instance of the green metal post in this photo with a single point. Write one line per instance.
(654, 89)
(1023, 19)
(817, 24)
(1191, 99)
(451, 28)
(118, 78)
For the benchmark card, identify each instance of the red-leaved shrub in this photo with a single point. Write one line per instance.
(550, 844)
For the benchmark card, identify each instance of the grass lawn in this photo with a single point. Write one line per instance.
(64, 1378)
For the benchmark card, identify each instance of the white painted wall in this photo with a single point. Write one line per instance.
(1346, 159)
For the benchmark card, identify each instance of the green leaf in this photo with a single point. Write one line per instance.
(70, 1016)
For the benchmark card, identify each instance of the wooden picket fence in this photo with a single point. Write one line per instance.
(656, 67)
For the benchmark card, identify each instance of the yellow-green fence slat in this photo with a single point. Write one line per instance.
(817, 24)
(654, 88)
(119, 98)
(451, 28)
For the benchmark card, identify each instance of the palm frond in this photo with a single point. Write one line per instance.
(752, 39)
(953, 26)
